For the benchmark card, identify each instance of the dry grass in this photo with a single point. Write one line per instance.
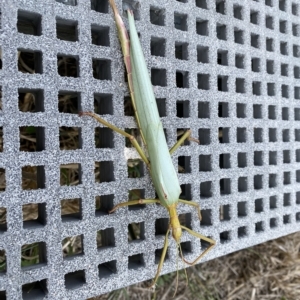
(267, 271)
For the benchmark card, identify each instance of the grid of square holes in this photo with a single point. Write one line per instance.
(240, 97)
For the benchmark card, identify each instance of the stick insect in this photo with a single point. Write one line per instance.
(159, 163)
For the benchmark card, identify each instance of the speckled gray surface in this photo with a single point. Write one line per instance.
(257, 184)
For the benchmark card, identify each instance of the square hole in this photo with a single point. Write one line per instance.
(3, 221)
(221, 32)
(158, 47)
(107, 269)
(258, 182)
(101, 69)
(258, 158)
(69, 138)
(286, 199)
(135, 168)
(284, 48)
(182, 109)
(271, 89)
(295, 30)
(34, 215)
(259, 205)
(223, 57)
(202, 54)
(272, 135)
(104, 138)
(256, 88)
(99, 6)
(273, 202)
(206, 217)
(32, 139)
(204, 112)
(242, 232)
(29, 23)
(241, 135)
(71, 209)
(225, 186)
(297, 72)
(242, 159)
(297, 198)
(257, 111)
(33, 61)
(103, 104)
(31, 100)
(238, 12)
(297, 175)
(272, 180)
(297, 216)
(285, 135)
(161, 105)
(103, 204)
(224, 161)
(205, 163)
(72, 246)
(270, 67)
(66, 30)
(259, 226)
(273, 223)
(255, 64)
(185, 192)
(224, 212)
(239, 61)
(297, 153)
(223, 110)
(136, 261)
(220, 7)
(269, 22)
(204, 136)
(254, 17)
(242, 184)
(285, 91)
(223, 135)
(203, 81)
(297, 114)
(238, 36)
(286, 219)
(270, 44)
(100, 35)
(182, 79)
(225, 237)
(159, 77)
(272, 114)
(269, 2)
(297, 92)
(68, 66)
(284, 69)
(184, 164)
(180, 21)
(282, 5)
(273, 158)
(157, 16)
(33, 177)
(69, 102)
(242, 209)
(297, 135)
(33, 255)
(75, 280)
(240, 85)
(136, 232)
(201, 4)
(295, 9)
(202, 27)
(255, 40)
(181, 50)
(223, 83)
(258, 135)
(282, 26)
(241, 110)
(70, 174)
(33, 290)
(206, 189)
(286, 178)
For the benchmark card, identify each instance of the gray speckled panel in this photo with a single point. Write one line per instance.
(238, 71)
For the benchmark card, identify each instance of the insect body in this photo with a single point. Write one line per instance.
(160, 165)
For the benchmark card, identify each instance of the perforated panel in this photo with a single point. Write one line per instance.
(229, 70)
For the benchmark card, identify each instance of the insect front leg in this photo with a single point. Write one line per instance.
(186, 135)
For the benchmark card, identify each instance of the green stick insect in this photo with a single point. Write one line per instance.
(160, 165)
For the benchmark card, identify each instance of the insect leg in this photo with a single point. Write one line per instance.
(202, 237)
(134, 202)
(186, 135)
(131, 137)
(192, 203)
